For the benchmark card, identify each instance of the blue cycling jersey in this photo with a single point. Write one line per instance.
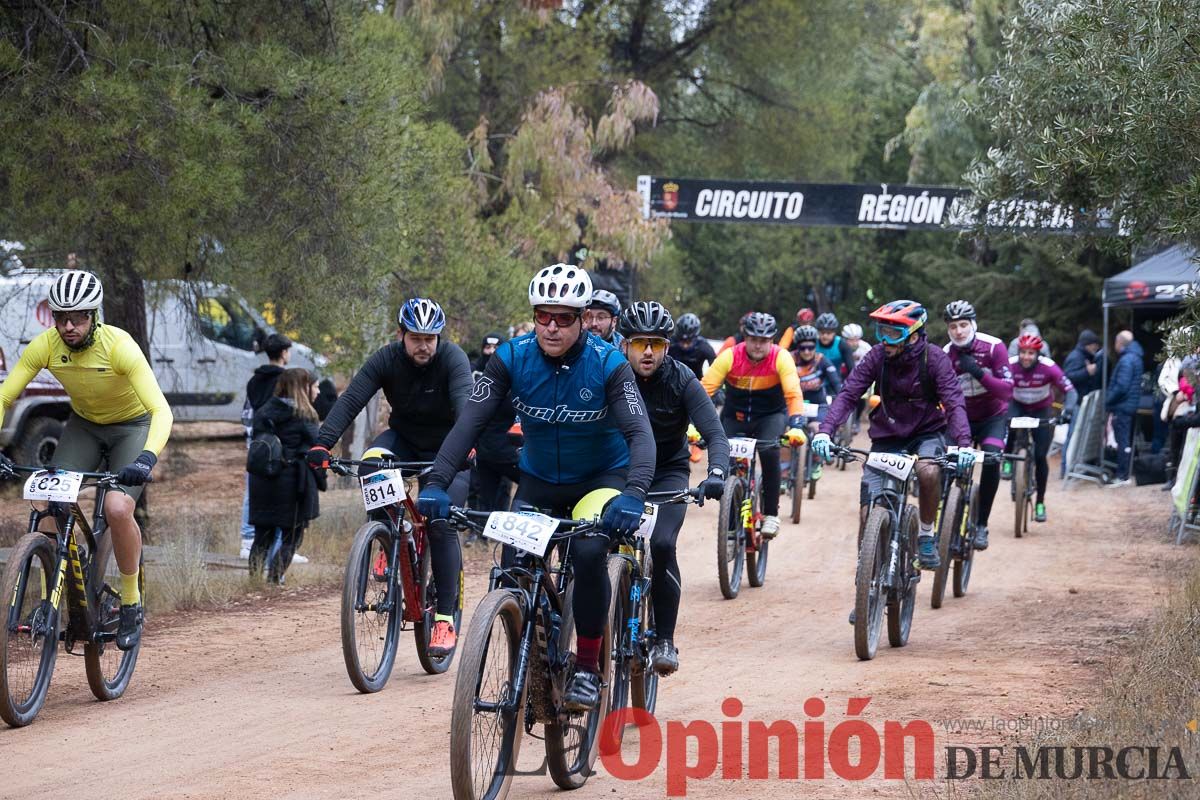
(833, 352)
(563, 409)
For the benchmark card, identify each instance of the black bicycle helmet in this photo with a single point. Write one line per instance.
(805, 333)
(688, 326)
(958, 309)
(827, 322)
(646, 318)
(760, 323)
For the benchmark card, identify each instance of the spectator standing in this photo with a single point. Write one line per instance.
(1029, 327)
(1080, 364)
(260, 389)
(490, 342)
(281, 507)
(1124, 395)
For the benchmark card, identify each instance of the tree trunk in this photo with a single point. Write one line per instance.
(124, 295)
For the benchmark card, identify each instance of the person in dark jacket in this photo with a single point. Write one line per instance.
(1124, 395)
(260, 389)
(281, 507)
(326, 398)
(486, 348)
(1080, 364)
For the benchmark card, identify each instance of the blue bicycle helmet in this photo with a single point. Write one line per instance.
(420, 315)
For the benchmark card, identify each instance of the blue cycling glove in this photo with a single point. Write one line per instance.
(623, 516)
(434, 503)
(966, 460)
(822, 446)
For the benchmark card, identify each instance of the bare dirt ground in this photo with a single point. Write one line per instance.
(254, 702)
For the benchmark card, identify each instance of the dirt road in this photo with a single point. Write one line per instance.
(255, 704)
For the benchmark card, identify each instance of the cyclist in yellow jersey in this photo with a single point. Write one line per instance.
(119, 418)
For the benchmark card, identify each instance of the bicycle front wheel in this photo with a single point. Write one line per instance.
(1020, 493)
(796, 480)
(29, 636)
(962, 566)
(947, 533)
(868, 583)
(486, 720)
(731, 538)
(109, 669)
(371, 598)
(904, 596)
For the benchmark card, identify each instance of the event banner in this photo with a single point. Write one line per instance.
(896, 206)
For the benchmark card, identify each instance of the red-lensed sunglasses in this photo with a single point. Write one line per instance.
(563, 319)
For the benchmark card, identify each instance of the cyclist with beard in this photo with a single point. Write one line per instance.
(921, 402)
(427, 382)
(600, 317)
(1034, 378)
(585, 429)
(672, 396)
(981, 364)
(119, 418)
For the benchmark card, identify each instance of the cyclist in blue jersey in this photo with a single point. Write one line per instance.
(829, 344)
(585, 428)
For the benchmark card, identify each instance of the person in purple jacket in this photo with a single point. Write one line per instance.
(981, 364)
(1034, 379)
(920, 402)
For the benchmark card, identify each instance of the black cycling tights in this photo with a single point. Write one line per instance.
(666, 587)
(1041, 467)
(989, 482)
(589, 554)
(767, 429)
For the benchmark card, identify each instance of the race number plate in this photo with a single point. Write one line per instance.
(810, 410)
(649, 519)
(54, 485)
(525, 531)
(383, 488)
(895, 464)
(1024, 422)
(952, 449)
(742, 447)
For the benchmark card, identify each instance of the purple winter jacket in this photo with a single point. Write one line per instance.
(905, 411)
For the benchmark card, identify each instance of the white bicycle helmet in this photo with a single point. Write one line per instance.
(76, 290)
(852, 331)
(561, 285)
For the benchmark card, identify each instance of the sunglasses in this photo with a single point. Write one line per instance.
(76, 318)
(563, 319)
(807, 348)
(640, 343)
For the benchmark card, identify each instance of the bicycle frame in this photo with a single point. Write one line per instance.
(743, 468)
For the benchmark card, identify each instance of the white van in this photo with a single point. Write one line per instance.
(203, 339)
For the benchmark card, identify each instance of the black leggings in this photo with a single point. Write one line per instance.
(445, 552)
(589, 554)
(767, 429)
(264, 538)
(989, 433)
(666, 588)
(492, 489)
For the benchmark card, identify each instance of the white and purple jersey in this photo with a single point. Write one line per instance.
(988, 396)
(1033, 388)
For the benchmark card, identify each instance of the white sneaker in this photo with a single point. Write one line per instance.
(298, 559)
(244, 553)
(1119, 483)
(770, 527)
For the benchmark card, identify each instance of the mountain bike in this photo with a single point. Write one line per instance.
(1024, 486)
(887, 571)
(633, 616)
(739, 522)
(958, 519)
(47, 606)
(389, 581)
(800, 465)
(517, 659)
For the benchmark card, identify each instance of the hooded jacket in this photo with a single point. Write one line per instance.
(905, 411)
(1075, 364)
(1125, 387)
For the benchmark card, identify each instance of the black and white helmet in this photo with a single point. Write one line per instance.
(805, 333)
(561, 285)
(646, 318)
(76, 290)
(958, 309)
(760, 323)
(602, 298)
(688, 326)
(827, 322)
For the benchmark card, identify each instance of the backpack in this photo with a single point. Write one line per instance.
(265, 456)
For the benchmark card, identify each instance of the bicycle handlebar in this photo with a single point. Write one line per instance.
(668, 498)
(99, 478)
(342, 466)
(475, 520)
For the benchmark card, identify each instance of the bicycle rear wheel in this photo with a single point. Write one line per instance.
(947, 532)
(371, 598)
(731, 538)
(485, 724)
(962, 566)
(29, 635)
(109, 669)
(423, 628)
(808, 466)
(904, 598)
(868, 583)
(573, 741)
(796, 481)
(1020, 487)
